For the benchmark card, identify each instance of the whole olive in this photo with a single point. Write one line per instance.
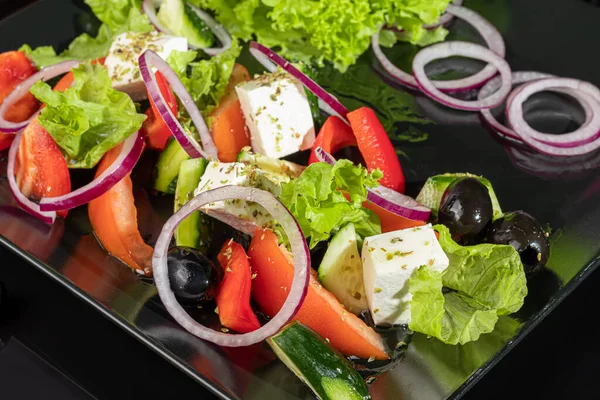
(525, 234)
(466, 209)
(193, 277)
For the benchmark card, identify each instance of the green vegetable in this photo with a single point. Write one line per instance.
(317, 364)
(89, 118)
(484, 282)
(205, 80)
(167, 167)
(338, 31)
(190, 231)
(341, 270)
(433, 190)
(118, 16)
(180, 18)
(316, 199)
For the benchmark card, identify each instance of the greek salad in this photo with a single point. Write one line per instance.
(326, 259)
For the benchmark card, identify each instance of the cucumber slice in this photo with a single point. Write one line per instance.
(341, 271)
(434, 188)
(328, 374)
(191, 230)
(179, 18)
(167, 167)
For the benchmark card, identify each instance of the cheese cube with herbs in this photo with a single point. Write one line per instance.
(122, 59)
(277, 114)
(244, 215)
(389, 260)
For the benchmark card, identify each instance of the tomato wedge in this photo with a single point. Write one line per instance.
(114, 220)
(40, 168)
(389, 221)
(233, 299)
(334, 135)
(154, 128)
(376, 147)
(15, 67)
(320, 310)
(228, 128)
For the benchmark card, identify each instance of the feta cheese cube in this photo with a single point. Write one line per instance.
(122, 59)
(389, 260)
(245, 216)
(277, 114)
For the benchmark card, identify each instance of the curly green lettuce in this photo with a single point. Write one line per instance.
(338, 31)
(117, 16)
(89, 118)
(481, 283)
(317, 199)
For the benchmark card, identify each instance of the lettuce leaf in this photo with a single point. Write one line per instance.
(481, 283)
(317, 200)
(118, 16)
(89, 118)
(205, 80)
(338, 31)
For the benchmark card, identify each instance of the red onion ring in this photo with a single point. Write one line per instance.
(130, 153)
(150, 6)
(185, 139)
(490, 34)
(271, 60)
(585, 92)
(388, 199)
(22, 200)
(464, 49)
(300, 253)
(445, 18)
(519, 78)
(7, 127)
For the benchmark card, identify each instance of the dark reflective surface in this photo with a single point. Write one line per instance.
(563, 193)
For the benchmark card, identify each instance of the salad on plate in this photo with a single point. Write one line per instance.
(274, 228)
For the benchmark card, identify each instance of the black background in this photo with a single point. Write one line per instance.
(560, 359)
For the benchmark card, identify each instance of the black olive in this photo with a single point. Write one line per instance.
(466, 209)
(193, 277)
(525, 234)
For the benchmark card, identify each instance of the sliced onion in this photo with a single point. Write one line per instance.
(300, 253)
(518, 78)
(24, 87)
(128, 157)
(185, 139)
(271, 60)
(464, 49)
(490, 34)
(388, 199)
(22, 200)
(585, 92)
(150, 6)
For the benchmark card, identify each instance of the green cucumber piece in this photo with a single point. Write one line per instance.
(167, 167)
(192, 230)
(182, 20)
(341, 270)
(434, 188)
(328, 374)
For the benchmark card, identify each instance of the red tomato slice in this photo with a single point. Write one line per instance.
(40, 168)
(320, 310)
(154, 128)
(334, 135)
(376, 147)
(233, 299)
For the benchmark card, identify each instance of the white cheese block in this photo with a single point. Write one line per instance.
(277, 114)
(389, 260)
(122, 59)
(245, 216)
